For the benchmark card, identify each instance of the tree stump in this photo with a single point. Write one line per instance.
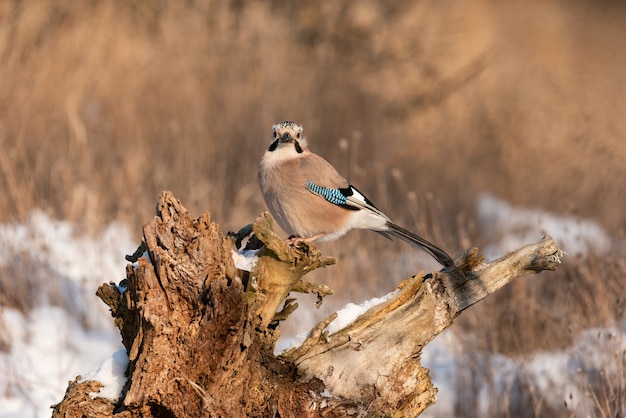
(200, 334)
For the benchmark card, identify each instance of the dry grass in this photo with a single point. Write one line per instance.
(105, 104)
(547, 312)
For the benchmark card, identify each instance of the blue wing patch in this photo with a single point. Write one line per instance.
(335, 196)
(332, 195)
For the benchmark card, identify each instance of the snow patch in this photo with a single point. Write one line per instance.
(246, 259)
(345, 317)
(112, 375)
(508, 228)
(559, 378)
(66, 329)
(349, 313)
(48, 347)
(60, 245)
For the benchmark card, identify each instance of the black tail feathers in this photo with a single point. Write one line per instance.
(440, 255)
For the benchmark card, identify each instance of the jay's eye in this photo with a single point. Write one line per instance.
(298, 135)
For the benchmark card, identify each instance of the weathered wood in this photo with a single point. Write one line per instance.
(281, 267)
(375, 360)
(200, 334)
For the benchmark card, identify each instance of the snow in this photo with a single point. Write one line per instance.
(48, 347)
(68, 331)
(345, 316)
(287, 342)
(326, 394)
(558, 377)
(439, 357)
(80, 263)
(351, 312)
(245, 259)
(60, 245)
(508, 228)
(111, 374)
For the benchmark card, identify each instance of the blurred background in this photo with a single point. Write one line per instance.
(484, 123)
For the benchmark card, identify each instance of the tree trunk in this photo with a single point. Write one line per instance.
(200, 334)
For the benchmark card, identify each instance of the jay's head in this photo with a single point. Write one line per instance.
(287, 134)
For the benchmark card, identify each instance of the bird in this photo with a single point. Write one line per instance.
(311, 201)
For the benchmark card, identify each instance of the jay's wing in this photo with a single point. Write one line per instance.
(322, 179)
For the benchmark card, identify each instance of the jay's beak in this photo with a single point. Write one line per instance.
(286, 137)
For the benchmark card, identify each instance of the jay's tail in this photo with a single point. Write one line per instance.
(440, 255)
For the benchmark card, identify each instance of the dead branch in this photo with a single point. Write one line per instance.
(375, 360)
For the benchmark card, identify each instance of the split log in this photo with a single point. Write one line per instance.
(200, 334)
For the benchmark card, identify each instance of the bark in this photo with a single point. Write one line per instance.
(200, 334)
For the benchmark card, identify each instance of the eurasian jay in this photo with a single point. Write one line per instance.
(311, 201)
